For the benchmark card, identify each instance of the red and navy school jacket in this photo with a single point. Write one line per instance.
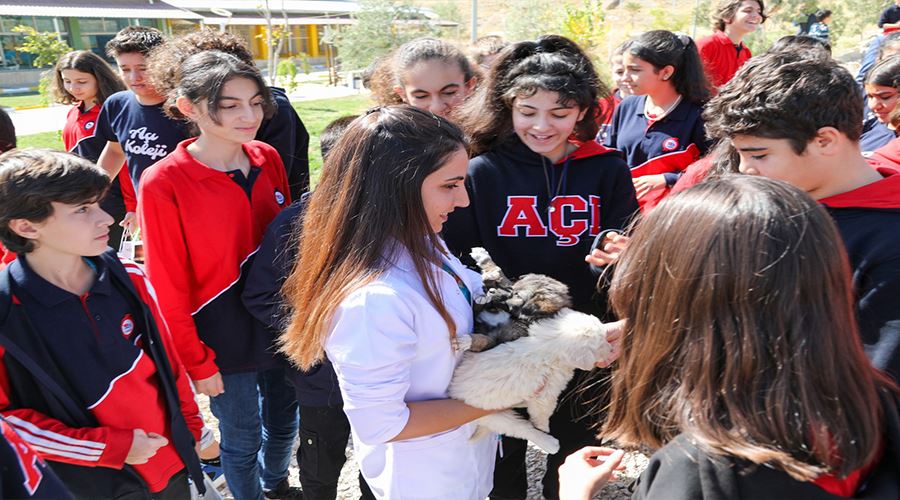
(868, 219)
(201, 227)
(94, 368)
(721, 57)
(80, 125)
(534, 216)
(23, 473)
(666, 146)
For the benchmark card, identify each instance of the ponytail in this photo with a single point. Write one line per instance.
(663, 48)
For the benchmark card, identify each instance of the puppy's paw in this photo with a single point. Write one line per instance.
(546, 442)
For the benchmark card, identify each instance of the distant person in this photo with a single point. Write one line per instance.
(819, 29)
(486, 49)
(84, 80)
(430, 74)
(890, 18)
(724, 51)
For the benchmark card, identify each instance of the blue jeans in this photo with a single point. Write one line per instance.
(258, 423)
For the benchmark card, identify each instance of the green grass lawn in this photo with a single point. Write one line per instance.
(15, 101)
(315, 115)
(52, 140)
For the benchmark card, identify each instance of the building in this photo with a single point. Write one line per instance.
(89, 24)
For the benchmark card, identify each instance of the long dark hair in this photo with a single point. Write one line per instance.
(552, 63)
(108, 82)
(368, 202)
(663, 48)
(748, 342)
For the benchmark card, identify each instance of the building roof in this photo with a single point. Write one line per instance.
(252, 7)
(131, 9)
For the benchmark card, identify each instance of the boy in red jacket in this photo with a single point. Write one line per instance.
(88, 373)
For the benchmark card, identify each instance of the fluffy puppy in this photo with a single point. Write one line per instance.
(531, 372)
(508, 308)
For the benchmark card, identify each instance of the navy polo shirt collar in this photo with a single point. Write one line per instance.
(679, 114)
(49, 294)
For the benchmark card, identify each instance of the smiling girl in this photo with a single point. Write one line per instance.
(83, 79)
(660, 128)
(541, 189)
(430, 74)
(204, 209)
(724, 52)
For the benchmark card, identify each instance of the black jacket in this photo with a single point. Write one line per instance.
(510, 213)
(681, 470)
(36, 383)
(274, 260)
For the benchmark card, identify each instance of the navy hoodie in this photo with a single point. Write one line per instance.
(868, 219)
(512, 216)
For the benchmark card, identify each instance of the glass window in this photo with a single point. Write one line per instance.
(91, 25)
(45, 24)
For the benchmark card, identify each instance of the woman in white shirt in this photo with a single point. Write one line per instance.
(377, 292)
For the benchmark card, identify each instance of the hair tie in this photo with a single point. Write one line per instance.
(684, 39)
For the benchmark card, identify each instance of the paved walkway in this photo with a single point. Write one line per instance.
(35, 121)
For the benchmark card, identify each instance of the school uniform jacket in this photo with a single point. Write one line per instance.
(132, 378)
(682, 470)
(721, 57)
(666, 146)
(200, 230)
(80, 126)
(868, 219)
(23, 473)
(536, 217)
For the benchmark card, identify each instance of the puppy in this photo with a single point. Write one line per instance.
(531, 372)
(508, 308)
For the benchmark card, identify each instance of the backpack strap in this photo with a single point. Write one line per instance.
(22, 357)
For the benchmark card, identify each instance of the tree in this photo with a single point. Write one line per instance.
(275, 37)
(380, 27)
(44, 45)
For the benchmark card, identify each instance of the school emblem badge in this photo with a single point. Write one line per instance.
(279, 198)
(127, 326)
(88, 125)
(670, 144)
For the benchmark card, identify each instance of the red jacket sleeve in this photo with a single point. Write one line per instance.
(127, 187)
(166, 260)
(189, 408)
(54, 440)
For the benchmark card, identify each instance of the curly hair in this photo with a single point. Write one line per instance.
(552, 63)
(166, 60)
(787, 95)
(134, 39)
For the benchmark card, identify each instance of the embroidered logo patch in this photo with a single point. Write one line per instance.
(670, 144)
(127, 326)
(279, 198)
(88, 125)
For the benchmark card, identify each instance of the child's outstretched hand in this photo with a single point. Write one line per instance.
(144, 447)
(608, 251)
(586, 471)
